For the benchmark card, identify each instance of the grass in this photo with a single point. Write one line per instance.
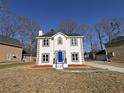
(3, 66)
(22, 80)
(82, 68)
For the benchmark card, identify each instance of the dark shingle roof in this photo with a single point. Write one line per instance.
(120, 38)
(101, 52)
(9, 41)
(116, 42)
(49, 34)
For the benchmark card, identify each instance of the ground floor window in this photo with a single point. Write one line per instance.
(75, 57)
(45, 57)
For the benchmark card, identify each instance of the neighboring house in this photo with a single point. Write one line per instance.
(27, 56)
(10, 49)
(115, 49)
(59, 50)
(101, 55)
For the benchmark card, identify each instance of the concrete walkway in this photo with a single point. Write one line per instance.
(112, 68)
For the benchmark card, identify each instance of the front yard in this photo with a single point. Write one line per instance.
(24, 79)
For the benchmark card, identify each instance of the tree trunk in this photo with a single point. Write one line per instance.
(100, 41)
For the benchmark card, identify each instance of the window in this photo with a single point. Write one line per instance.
(45, 42)
(74, 41)
(75, 57)
(59, 40)
(45, 58)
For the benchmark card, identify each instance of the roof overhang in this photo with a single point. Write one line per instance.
(8, 44)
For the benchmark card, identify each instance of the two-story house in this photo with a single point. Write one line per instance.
(59, 50)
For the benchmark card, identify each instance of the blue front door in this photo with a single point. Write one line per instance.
(60, 56)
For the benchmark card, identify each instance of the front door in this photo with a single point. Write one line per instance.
(60, 56)
(59, 64)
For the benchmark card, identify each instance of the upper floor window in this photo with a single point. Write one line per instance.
(74, 42)
(59, 40)
(45, 42)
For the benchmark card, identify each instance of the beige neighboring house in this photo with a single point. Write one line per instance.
(10, 49)
(116, 49)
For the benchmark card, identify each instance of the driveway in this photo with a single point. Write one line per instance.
(112, 68)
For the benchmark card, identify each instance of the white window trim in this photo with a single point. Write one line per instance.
(45, 43)
(60, 38)
(45, 58)
(74, 42)
(75, 58)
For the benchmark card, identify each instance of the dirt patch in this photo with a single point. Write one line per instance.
(15, 64)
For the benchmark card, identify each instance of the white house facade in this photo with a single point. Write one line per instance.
(59, 50)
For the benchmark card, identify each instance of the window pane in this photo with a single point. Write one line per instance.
(76, 55)
(74, 41)
(43, 56)
(73, 55)
(46, 56)
(47, 60)
(44, 40)
(59, 40)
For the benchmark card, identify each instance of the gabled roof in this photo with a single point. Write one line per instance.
(116, 41)
(9, 41)
(51, 34)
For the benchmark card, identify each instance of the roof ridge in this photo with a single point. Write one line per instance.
(10, 41)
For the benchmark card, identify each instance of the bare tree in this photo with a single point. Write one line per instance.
(108, 28)
(67, 26)
(7, 19)
(95, 46)
(27, 32)
(100, 33)
(4, 5)
(83, 29)
(112, 28)
(90, 39)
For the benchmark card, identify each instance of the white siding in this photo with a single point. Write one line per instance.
(66, 46)
(48, 49)
(71, 49)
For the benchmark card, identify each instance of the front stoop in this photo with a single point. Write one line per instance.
(59, 66)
